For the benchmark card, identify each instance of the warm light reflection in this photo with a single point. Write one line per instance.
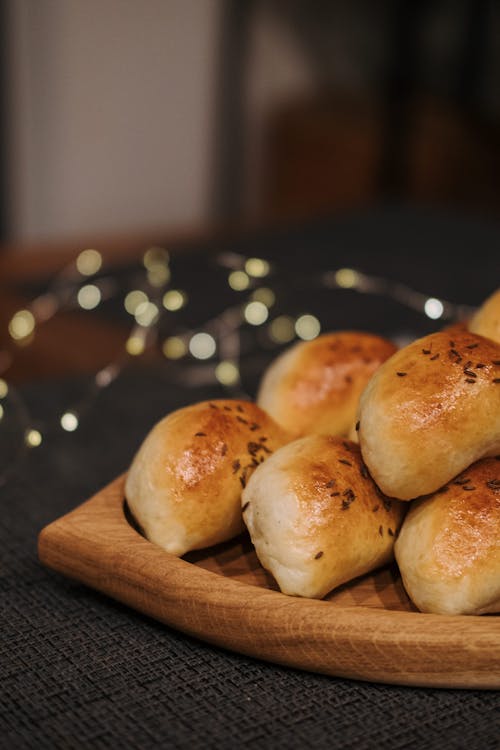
(1, 412)
(89, 262)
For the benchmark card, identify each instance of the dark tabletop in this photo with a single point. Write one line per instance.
(80, 670)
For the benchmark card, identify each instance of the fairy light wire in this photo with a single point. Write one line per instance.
(214, 347)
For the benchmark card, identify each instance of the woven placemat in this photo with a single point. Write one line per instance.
(79, 670)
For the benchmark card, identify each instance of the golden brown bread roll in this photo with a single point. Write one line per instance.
(316, 518)
(430, 411)
(185, 482)
(486, 320)
(448, 550)
(314, 386)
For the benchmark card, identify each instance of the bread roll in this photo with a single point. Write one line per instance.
(430, 411)
(314, 386)
(448, 550)
(185, 482)
(316, 518)
(486, 320)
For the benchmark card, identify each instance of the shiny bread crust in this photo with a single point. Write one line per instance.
(314, 386)
(316, 518)
(185, 482)
(448, 550)
(430, 411)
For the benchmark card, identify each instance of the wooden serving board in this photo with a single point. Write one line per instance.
(365, 630)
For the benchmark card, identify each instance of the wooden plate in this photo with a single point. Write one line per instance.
(366, 630)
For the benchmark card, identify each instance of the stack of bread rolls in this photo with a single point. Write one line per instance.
(354, 453)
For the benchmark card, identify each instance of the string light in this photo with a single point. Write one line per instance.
(346, 278)
(222, 337)
(265, 295)
(133, 299)
(282, 329)
(22, 325)
(257, 267)
(174, 347)
(89, 262)
(33, 438)
(146, 314)
(89, 296)
(135, 344)
(154, 257)
(155, 261)
(307, 327)
(174, 300)
(227, 373)
(69, 421)
(256, 313)
(4, 388)
(202, 346)
(238, 280)
(433, 308)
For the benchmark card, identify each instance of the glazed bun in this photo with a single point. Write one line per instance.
(184, 485)
(314, 386)
(430, 411)
(316, 518)
(448, 550)
(486, 320)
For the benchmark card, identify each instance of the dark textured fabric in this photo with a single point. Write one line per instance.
(78, 670)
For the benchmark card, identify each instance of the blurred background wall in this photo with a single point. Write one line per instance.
(109, 114)
(120, 115)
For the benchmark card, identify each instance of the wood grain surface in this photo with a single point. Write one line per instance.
(365, 630)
